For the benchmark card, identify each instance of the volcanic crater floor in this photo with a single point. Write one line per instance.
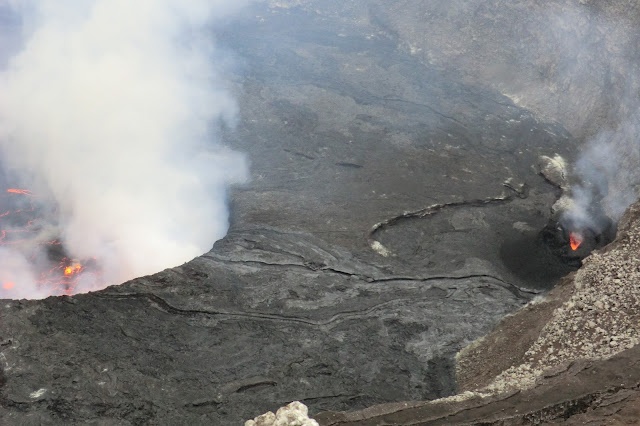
(296, 302)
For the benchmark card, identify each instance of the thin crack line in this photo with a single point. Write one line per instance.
(338, 317)
(164, 305)
(517, 291)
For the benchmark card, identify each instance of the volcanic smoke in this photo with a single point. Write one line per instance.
(108, 115)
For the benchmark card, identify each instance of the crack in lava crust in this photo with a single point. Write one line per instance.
(26, 234)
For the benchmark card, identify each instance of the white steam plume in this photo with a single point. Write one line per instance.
(590, 62)
(608, 168)
(110, 107)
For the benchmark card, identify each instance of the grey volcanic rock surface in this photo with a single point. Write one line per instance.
(345, 129)
(568, 358)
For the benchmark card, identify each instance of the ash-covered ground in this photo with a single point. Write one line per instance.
(325, 290)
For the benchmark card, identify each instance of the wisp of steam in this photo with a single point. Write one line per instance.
(108, 110)
(608, 170)
(592, 48)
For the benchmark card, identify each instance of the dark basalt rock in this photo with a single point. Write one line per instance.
(345, 129)
(597, 386)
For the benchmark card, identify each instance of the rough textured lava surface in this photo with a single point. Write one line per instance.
(568, 358)
(392, 218)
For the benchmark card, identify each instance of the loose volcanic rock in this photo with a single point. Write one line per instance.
(555, 171)
(294, 414)
(599, 320)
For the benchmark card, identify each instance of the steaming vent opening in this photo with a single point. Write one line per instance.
(571, 240)
(540, 258)
(575, 240)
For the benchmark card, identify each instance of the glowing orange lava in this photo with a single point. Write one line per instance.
(575, 240)
(20, 191)
(70, 270)
(20, 226)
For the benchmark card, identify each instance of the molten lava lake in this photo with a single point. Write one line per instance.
(35, 264)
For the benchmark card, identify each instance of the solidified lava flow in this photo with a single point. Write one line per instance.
(27, 233)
